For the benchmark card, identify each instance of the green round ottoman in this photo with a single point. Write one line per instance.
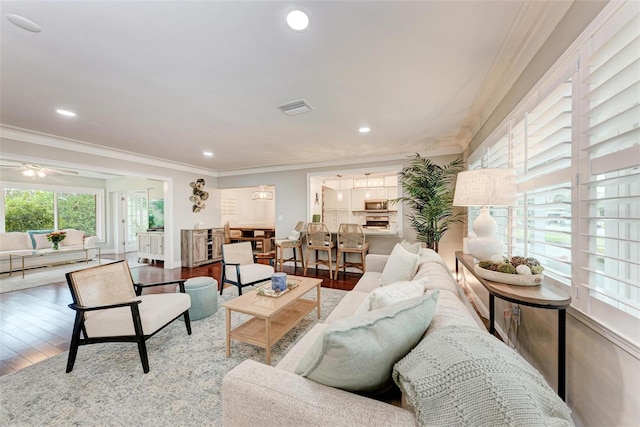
(204, 296)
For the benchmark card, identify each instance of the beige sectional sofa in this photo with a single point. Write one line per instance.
(24, 243)
(257, 394)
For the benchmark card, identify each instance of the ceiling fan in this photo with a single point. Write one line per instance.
(34, 171)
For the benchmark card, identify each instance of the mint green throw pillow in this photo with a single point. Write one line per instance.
(461, 375)
(358, 353)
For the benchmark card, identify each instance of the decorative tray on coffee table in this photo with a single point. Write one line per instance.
(267, 291)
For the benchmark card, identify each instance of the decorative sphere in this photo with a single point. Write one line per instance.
(497, 259)
(523, 269)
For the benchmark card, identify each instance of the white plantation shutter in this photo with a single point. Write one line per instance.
(574, 141)
(609, 267)
(543, 164)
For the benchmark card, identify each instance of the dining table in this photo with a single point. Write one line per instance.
(256, 233)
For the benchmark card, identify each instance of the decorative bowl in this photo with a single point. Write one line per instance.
(510, 279)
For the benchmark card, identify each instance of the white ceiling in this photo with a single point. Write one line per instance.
(171, 79)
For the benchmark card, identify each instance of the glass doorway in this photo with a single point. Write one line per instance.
(134, 218)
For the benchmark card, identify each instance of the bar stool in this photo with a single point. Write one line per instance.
(351, 239)
(319, 239)
(294, 242)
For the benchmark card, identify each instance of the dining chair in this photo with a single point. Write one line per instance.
(110, 307)
(318, 240)
(351, 239)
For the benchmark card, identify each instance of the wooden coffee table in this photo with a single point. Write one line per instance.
(272, 317)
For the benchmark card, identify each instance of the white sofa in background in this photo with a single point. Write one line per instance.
(24, 243)
(257, 394)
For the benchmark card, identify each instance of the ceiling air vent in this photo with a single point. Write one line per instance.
(296, 107)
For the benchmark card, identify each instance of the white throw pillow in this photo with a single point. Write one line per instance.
(294, 235)
(396, 292)
(74, 237)
(358, 353)
(400, 266)
(41, 241)
(413, 248)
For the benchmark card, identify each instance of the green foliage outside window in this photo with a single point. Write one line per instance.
(28, 210)
(77, 211)
(34, 210)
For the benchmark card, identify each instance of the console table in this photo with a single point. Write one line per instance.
(541, 296)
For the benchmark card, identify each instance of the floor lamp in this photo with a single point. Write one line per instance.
(484, 188)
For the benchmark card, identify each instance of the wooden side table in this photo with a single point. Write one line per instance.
(541, 296)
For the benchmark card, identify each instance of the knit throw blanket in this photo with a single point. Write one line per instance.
(462, 376)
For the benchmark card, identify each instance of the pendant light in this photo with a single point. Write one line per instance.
(339, 195)
(262, 194)
(367, 194)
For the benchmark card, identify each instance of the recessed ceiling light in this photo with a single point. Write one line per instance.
(66, 113)
(207, 153)
(297, 20)
(364, 129)
(23, 23)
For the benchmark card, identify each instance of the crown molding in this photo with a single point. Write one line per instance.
(433, 152)
(48, 140)
(34, 137)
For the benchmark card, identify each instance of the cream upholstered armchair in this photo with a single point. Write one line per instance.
(239, 267)
(109, 307)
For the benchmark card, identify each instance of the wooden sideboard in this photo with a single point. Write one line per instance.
(201, 246)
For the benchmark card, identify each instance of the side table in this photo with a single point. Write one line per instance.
(541, 296)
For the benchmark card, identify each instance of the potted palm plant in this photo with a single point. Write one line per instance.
(428, 191)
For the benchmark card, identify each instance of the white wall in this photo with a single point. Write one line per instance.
(248, 211)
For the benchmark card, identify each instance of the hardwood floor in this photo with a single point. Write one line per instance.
(36, 323)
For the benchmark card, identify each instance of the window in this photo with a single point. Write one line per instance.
(41, 207)
(76, 210)
(574, 141)
(28, 209)
(609, 191)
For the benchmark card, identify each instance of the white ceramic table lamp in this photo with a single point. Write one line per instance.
(484, 188)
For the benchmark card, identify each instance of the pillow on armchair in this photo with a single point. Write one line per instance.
(294, 235)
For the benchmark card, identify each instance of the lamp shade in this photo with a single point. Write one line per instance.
(486, 187)
(262, 194)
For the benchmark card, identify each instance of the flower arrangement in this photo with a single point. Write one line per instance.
(56, 237)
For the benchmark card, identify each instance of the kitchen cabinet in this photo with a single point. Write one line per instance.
(329, 199)
(392, 193)
(379, 193)
(391, 181)
(333, 219)
(357, 199)
(201, 246)
(337, 200)
(151, 246)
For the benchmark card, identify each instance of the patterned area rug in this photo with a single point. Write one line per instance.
(107, 385)
(45, 275)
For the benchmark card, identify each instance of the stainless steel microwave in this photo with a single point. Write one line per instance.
(375, 205)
